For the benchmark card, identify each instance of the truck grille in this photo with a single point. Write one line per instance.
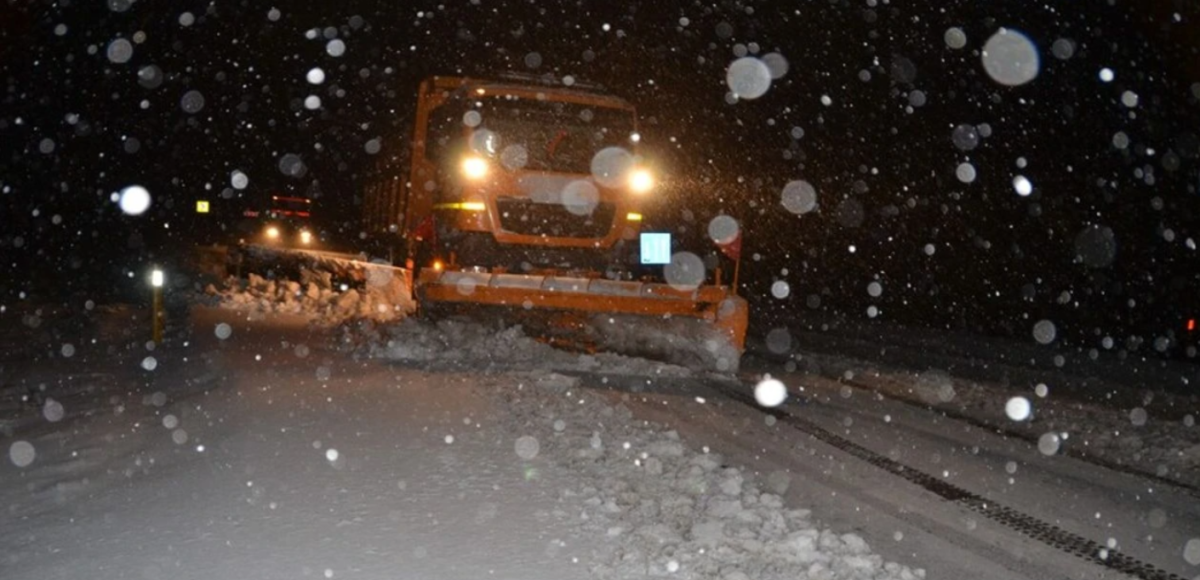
(527, 217)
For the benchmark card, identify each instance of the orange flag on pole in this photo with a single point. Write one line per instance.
(733, 249)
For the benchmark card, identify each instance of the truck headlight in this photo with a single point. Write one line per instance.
(305, 237)
(474, 167)
(641, 180)
(272, 233)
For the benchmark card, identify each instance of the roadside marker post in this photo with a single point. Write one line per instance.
(157, 315)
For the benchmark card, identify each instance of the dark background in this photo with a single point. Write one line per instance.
(883, 168)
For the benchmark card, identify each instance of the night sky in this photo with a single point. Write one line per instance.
(878, 109)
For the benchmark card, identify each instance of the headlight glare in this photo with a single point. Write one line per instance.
(474, 167)
(641, 180)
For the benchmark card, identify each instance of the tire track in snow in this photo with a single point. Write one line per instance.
(1073, 452)
(1027, 525)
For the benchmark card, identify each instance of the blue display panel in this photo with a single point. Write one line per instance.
(656, 248)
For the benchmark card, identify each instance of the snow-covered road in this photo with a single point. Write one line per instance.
(261, 447)
(258, 445)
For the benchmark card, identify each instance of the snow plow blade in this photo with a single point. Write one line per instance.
(703, 328)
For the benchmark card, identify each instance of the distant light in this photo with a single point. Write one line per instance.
(1107, 75)
(315, 76)
(156, 278)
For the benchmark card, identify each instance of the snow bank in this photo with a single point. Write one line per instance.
(667, 510)
(375, 293)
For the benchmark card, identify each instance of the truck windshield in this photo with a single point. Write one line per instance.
(548, 135)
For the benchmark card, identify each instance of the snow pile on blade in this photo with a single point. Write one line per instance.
(466, 343)
(670, 511)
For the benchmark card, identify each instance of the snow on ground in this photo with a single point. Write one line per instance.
(323, 444)
(429, 437)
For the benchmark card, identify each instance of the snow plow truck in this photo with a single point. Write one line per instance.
(519, 201)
